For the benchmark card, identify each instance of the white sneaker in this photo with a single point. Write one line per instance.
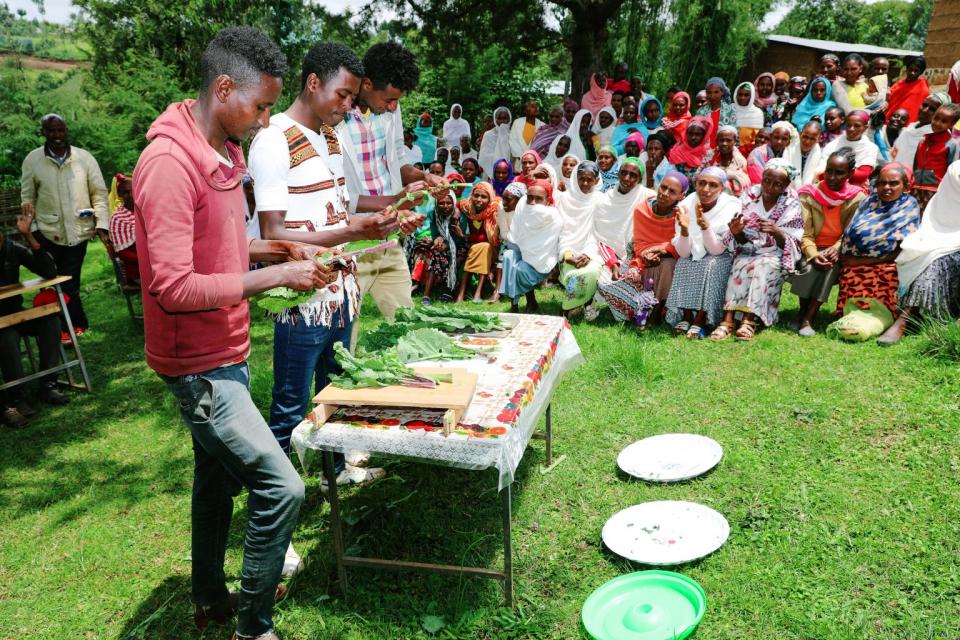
(590, 313)
(354, 475)
(807, 331)
(357, 458)
(292, 563)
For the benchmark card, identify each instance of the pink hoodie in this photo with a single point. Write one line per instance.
(192, 246)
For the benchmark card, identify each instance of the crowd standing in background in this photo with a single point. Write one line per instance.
(690, 210)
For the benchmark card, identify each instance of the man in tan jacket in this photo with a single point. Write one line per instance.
(62, 189)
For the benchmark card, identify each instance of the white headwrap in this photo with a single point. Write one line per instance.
(576, 209)
(939, 232)
(605, 133)
(750, 116)
(495, 145)
(613, 217)
(536, 231)
(792, 153)
(504, 217)
(455, 128)
(573, 132)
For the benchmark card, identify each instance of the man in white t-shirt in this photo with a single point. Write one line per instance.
(301, 194)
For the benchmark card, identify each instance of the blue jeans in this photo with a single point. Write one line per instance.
(303, 355)
(233, 449)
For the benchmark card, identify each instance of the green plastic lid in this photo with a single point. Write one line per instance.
(646, 605)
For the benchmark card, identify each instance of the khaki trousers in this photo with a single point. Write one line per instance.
(386, 277)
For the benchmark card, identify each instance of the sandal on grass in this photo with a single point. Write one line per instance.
(681, 328)
(746, 331)
(722, 332)
(696, 332)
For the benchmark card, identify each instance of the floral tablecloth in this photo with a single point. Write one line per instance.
(515, 385)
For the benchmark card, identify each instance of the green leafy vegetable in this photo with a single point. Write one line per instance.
(279, 299)
(366, 370)
(430, 344)
(450, 320)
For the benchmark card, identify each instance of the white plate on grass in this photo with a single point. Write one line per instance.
(670, 457)
(666, 532)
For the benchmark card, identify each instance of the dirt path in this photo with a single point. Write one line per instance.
(31, 62)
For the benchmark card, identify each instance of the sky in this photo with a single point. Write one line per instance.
(60, 10)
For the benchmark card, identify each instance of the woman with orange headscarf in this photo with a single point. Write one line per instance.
(483, 238)
(679, 116)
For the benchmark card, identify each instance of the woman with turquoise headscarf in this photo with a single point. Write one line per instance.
(651, 116)
(816, 103)
(631, 123)
(425, 138)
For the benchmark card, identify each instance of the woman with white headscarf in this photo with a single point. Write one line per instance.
(583, 142)
(580, 259)
(749, 117)
(605, 131)
(928, 267)
(700, 278)
(455, 126)
(496, 142)
(533, 250)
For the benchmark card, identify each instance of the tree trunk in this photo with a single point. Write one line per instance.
(588, 39)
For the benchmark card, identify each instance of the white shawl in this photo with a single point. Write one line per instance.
(536, 232)
(792, 153)
(577, 208)
(504, 220)
(750, 116)
(573, 132)
(613, 217)
(939, 232)
(718, 218)
(517, 144)
(810, 169)
(455, 128)
(905, 148)
(495, 145)
(866, 152)
(605, 133)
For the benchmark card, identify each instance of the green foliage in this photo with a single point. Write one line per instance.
(38, 38)
(666, 43)
(889, 23)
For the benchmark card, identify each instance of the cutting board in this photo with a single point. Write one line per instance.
(453, 396)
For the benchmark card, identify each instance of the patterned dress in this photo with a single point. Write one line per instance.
(760, 265)
(876, 231)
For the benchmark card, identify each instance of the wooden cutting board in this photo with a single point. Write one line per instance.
(455, 397)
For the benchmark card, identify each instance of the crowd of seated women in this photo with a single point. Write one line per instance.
(697, 214)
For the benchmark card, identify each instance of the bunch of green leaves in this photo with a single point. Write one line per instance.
(279, 299)
(366, 370)
(449, 319)
(385, 336)
(430, 344)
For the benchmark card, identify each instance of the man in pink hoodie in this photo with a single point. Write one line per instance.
(194, 257)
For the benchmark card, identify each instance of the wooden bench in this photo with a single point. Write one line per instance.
(19, 317)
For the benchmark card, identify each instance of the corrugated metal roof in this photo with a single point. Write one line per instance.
(841, 47)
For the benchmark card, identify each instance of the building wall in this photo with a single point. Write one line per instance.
(780, 56)
(943, 40)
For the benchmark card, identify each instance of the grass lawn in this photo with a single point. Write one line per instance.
(838, 480)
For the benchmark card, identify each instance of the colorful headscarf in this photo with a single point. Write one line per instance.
(861, 114)
(546, 134)
(637, 137)
(684, 153)
(763, 103)
(498, 187)
(517, 189)
(523, 177)
(597, 97)
(679, 177)
(783, 166)
(810, 108)
(723, 86)
(676, 123)
(588, 166)
(488, 216)
(546, 186)
(425, 138)
(651, 125)
(712, 171)
(611, 176)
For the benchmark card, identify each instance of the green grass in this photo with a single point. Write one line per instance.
(839, 482)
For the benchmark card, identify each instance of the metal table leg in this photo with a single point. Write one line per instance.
(336, 525)
(549, 435)
(73, 337)
(506, 501)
